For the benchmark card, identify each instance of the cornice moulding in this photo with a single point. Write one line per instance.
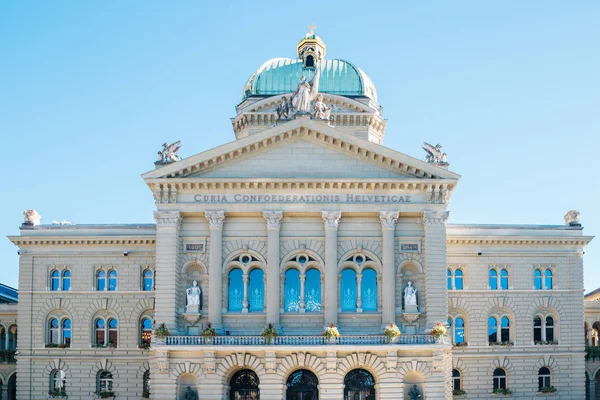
(81, 240)
(523, 240)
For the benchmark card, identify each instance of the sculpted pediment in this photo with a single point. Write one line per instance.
(301, 148)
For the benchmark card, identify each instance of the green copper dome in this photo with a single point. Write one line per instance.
(282, 75)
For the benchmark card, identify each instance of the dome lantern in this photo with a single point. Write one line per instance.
(311, 49)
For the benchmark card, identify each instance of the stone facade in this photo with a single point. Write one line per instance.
(354, 222)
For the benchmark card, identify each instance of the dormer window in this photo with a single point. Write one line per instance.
(309, 62)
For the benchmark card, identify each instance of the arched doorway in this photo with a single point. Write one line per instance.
(359, 384)
(587, 386)
(244, 386)
(12, 387)
(302, 385)
(597, 386)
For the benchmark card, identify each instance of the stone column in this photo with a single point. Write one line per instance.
(388, 293)
(302, 291)
(435, 294)
(167, 274)
(273, 219)
(215, 269)
(359, 293)
(245, 303)
(331, 220)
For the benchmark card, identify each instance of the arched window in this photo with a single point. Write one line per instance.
(459, 330)
(505, 330)
(12, 337)
(66, 280)
(449, 278)
(53, 335)
(458, 279)
(236, 290)
(2, 338)
(58, 382)
(302, 385)
(348, 290)
(113, 327)
(537, 279)
(148, 280)
(492, 330)
(146, 331)
(537, 329)
(548, 279)
(504, 279)
(549, 329)
(256, 290)
(493, 279)
(104, 381)
(55, 280)
(291, 297)
(244, 384)
(544, 378)
(146, 384)
(312, 290)
(359, 384)
(100, 332)
(456, 384)
(369, 290)
(499, 379)
(112, 280)
(66, 332)
(100, 280)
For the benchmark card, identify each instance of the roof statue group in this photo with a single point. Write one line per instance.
(301, 100)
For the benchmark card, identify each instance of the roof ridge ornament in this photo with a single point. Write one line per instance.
(311, 29)
(168, 154)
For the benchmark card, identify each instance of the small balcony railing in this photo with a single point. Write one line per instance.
(292, 340)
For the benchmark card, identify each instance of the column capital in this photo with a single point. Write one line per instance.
(388, 219)
(331, 218)
(273, 219)
(167, 218)
(215, 219)
(435, 218)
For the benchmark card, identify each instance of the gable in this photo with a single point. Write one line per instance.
(299, 157)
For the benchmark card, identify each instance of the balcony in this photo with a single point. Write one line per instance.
(345, 340)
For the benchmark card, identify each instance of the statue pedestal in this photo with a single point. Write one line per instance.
(192, 314)
(300, 114)
(411, 313)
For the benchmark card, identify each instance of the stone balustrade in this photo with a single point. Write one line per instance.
(292, 340)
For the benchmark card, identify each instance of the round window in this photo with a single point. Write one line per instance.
(302, 259)
(246, 259)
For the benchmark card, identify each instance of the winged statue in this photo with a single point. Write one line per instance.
(434, 153)
(169, 153)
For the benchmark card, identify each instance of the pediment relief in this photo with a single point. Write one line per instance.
(320, 136)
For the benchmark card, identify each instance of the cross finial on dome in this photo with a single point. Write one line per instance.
(311, 29)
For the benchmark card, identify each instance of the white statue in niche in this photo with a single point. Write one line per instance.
(410, 295)
(194, 296)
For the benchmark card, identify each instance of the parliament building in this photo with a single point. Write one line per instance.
(305, 224)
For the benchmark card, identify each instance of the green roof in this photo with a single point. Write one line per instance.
(282, 75)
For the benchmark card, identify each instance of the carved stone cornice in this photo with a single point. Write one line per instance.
(331, 219)
(273, 219)
(167, 218)
(215, 219)
(435, 218)
(388, 219)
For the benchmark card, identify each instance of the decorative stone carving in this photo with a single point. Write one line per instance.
(194, 303)
(167, 218)
(209, 362)
(362, 358)
(283, 109)
(331, 219)
(434, 153)
(306, 92)
(215, 219)
(270, 362)
(162, 359)
(168, 154)
(301, 359)
(391, 361)
(572, 218)
(435, 218)
(410, 295)
(32, 218)
(331, 361)
(239, 358)
(321, 110)
(388, 219)
(273, 219)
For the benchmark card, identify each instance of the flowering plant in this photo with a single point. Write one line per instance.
(269, 331)
(438, 330)
(59, 393)
(391, 331)
(161, 331)
(209, 331)
(331, 331)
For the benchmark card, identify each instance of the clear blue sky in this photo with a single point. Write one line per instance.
(89, 91)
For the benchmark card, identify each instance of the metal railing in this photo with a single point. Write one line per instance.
(292, 340)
